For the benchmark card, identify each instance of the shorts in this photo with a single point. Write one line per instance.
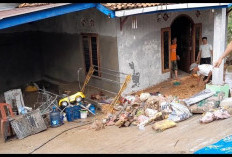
(174, 65)
(205, 60)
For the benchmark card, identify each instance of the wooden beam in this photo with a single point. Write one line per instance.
(122, 22)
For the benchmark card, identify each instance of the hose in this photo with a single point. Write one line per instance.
(89, 122)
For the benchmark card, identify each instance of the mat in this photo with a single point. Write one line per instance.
(224, 146)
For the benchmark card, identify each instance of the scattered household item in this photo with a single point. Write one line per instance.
(221, 147)
(215, 115)
(163, 125)
(205, 105)
(55, 118)
(14, 97)
(6, 130)
(28, 124)
(199, 96)
(69, 114)
(32, 87)
(76, 112)
(179, 113)
(92, 108)
(219, 88)
(144, 96)
(79, 96)
(226, 103)
(176, 83)
(83, 114)
(46, 100)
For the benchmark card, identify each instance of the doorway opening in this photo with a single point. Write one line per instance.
(182, 29)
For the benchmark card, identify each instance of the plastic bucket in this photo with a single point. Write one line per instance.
(69, 114)
(92, 108)
(76, 112)
(83, 114)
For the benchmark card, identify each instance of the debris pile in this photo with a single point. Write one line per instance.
(144, 109)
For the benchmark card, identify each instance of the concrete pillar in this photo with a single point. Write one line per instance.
(219, 43)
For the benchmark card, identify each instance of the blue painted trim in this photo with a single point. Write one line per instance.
(38, 15)
(105, 10)
(229, 5)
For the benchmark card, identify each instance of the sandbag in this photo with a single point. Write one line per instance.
(163, 125)
(204, 106)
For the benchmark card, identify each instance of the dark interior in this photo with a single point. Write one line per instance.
(182, 29)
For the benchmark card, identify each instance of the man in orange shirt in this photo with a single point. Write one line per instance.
(174, 57)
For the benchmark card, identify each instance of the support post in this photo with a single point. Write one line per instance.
(219, 44)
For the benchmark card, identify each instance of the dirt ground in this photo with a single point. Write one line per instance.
(187, 137)
(187, 88)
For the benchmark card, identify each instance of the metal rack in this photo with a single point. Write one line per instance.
(105, 74)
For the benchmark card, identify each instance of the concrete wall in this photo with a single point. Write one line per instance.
(142, 46)
(62, 45)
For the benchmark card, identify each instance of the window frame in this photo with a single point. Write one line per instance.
(167, 29)
(89, 35)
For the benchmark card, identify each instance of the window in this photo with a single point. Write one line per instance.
(91, 52)
(165, 49)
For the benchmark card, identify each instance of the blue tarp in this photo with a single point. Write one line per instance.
(224, 146)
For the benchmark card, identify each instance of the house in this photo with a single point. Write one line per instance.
(53, 40)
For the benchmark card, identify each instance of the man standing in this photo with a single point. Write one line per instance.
(174, 57)
(205, 53)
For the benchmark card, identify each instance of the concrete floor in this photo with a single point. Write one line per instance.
(187, 137)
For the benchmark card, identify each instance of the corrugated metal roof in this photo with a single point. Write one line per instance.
(125, 6)
(24, 10)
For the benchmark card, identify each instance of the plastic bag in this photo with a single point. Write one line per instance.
(179, 113)
(163, 125)
(144, 96)
(150, 112)
(207, 117)
(226, 103)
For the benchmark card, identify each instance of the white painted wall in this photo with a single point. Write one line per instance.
(143, 45)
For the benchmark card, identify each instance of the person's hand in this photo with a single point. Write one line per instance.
(218, 63)
(178, 58)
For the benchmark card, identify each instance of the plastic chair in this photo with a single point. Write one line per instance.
(5, 127)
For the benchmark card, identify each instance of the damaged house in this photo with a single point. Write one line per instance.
(53, 40)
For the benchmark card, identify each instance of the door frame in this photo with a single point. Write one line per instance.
(194, 39)
(167, 29)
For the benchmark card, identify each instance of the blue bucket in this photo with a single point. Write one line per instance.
(76, 112)
(69, 114)
(92, 108)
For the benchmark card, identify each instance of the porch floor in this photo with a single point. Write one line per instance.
(187, 137)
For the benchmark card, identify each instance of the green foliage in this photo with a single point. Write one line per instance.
(229, 27)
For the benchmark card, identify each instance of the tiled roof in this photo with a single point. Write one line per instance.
(124, 6)
(22, 5)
